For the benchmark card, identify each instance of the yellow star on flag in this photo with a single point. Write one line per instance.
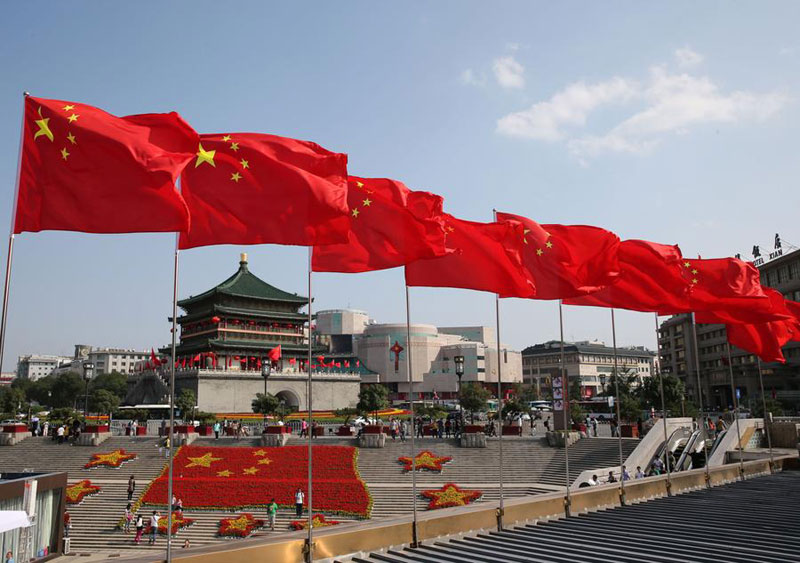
(260, 453)
(694, 271)
(224, 473)
(236, 176)
(250, 470)
(539, 252)
(71, 138)
(360, 184)
(203, 461)
(73, 118)
(355, 213)
(245, 164)
(367, 202)
(264, 461)
(205, 156)
(68, 107)
(694, 280)
(64, 153)
(234, 147)
(524, 238)
(687, 264)
(44, 127)
(226, 138)
(548, 244)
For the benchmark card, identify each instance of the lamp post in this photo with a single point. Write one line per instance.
(266, 368)
(459, 362)
(88, 372)
(602, 384)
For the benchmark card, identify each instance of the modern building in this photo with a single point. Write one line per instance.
(105, 360)
(226, 334)
(780, 271)
(37, 366)
(590, 361)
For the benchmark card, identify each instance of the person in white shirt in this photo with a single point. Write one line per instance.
(298, 502)
(639, 472)
(593, 481)
(153, 528)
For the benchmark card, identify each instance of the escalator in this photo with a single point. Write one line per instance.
(672, 448)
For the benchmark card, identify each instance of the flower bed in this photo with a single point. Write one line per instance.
(15, 428)
(141, 430)
(239, 478)
(450, 495)
(178, 522)
(425, 460)
(240, 527)
(78, 491)
(113, 459)
(318, 521)
(96, 428)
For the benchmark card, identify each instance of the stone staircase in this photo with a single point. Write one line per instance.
(530, 467)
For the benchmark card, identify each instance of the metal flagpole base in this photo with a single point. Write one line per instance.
(308, 551)
(499, 513)
(414, 536)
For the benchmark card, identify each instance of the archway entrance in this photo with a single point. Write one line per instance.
(289, 398)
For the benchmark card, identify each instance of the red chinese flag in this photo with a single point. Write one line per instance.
(567, 260)
(86, 170)
(250, 188)
(487, 257)
(390, 226)
(275, 354)
(651, 280)
(726, 284)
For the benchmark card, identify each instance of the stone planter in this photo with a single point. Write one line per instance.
(141, 430)
(276, 436)
(94, 435)
(557, 439)
(205, 430)
(629, 431)
(13, 434)
(511, 430)
(473, 439)
(96, 428)
(372, 439)
(472, 428)
(375, 429)
(345, 430)
(184, 428)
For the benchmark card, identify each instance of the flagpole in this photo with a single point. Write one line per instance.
(565, 404)
(171, 435)
(701, 426)
(617, 400)
(414, 540)
(309, 547)
(10, 253)
(766, 423)
(736, 413)
(501, 509)
(667, 460)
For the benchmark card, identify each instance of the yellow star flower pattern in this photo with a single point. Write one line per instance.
(250, 470)
(203, 461)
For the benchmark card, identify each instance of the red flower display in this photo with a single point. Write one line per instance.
(450, 495)
(319, 521)
(240, 478)
(425, 460)
(78, 491)
(178, 522)
(241, 526)
(112, 459)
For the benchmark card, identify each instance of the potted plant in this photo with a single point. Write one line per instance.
(371, 399)
(206, 420)
(346, 429)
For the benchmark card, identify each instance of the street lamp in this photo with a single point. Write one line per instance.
(88, 372)
(266, 369)
(459, 362)
(602, 384)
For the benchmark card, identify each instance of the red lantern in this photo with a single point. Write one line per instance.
(215, 320)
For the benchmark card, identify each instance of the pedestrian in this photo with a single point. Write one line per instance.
(546, 425)
(440, 429)
(60, 434)
(46, 428)
(625, 475)
(166, 446)
(186, 544)
(303, 428)
(272, 513)
(448, 427)
(711, 430)
(298, 502)
(179, 507)
(163, 430)
(67, 523)
(594, 426)
(139, 528)
(403, 430)
(131, 487)
(9, 557)
(153, 528)
(614, 428)
(639, 472)
(658, 466)
(134, 426)
(313, 429)
(174, 504)
(128, 518)
(593, 481)
(611, 478)
(216, 430)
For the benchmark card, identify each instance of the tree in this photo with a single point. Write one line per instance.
(11, 400)
(67, 388)
(373, 398)
(773, 406)
(265, 404)
(186, 403)
(650, 393)
(514, 407)
(103, 401)
(115, 382)
(474, 398)
(346, 414)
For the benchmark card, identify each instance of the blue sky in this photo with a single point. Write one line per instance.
(674, 122)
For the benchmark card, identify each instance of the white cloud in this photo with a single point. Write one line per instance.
(667, 103)
(508, 72)
(686, 58)
(675, 103)
(783, 51)
(471, 78)
(568, 107)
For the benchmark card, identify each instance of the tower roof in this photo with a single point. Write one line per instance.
(245, 284)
